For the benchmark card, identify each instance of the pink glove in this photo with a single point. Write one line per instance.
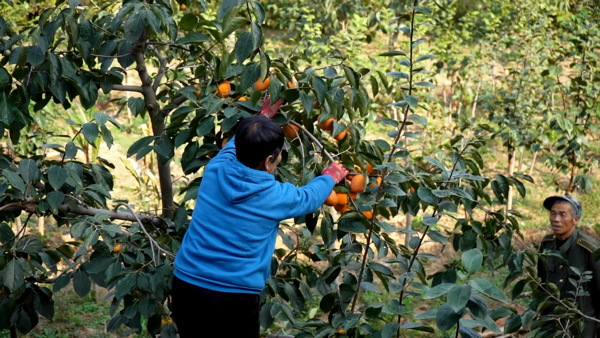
(336, 171)
(269, 110)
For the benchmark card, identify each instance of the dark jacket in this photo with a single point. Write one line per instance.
(579, 250)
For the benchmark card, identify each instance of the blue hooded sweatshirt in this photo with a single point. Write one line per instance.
(231, 238)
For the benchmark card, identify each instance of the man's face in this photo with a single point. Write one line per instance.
(562, 220)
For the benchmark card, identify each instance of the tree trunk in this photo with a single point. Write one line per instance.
(520, 166)
(511, 170)
(41, 225)
(158, 126)
(474, 107)
(532, 163)
(409, 221)
(571, 186)
(18, 224)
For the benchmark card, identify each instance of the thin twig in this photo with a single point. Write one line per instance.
(152, 240)
(314, 139)
(19, 233)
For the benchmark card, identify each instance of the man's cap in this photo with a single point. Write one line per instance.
(549, 202)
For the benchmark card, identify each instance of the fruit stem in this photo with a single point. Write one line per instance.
(315, 140)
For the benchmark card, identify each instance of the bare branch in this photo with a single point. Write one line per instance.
(127, 88)
(161, 70)
(111, 56)
(152, 240)
(124, 216)
(315, 140)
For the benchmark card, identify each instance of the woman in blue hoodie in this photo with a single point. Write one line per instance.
(224, 260)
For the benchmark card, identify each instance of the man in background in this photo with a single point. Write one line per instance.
(565, 213)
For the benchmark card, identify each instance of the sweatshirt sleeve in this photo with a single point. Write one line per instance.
(299, 201)
(226, 154)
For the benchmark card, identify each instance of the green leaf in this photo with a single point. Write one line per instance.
(430, 220)
(437, 236)
(61, 282)
(412, 100)
(55, 199)
(330, 72)
(393, 53)
(230, 26)
(205, 126)
(435, 163)
(257, 35)
(513, 324)
(3, 27)
(5, 78)
(14, 180)
(13, 275)
(472, 260)
(425, 57)
(554, 70)
(458, 296)
(136, 105)
(90, 132)
(134, 26)
(225, 7)
(467, 332)
(427, 196)
(352, 222)
(488, 289)
(446, 318)
(139, 145)
(418, 327)
(418, 119)
(320, 88)
(57, 176)
(398, 75)
(393, 190)
(389, 330)
(29, 170)
(35, 56)
(192, 38)
(438, 291)
(81, 283)
(425, 84)
(106, 136)
(243, 47)
(29, 244)
(369, 287)
(164, 148)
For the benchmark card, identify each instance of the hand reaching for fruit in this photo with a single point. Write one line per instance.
(269, 110)
(336, 171)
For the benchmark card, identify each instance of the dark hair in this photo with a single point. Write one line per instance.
(256, 138)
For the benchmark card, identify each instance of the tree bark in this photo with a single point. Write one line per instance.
(41, 225)
(520, 166)
(409, 221)
(532, 163)
(571, 186)
(511, 170)
(158, 126)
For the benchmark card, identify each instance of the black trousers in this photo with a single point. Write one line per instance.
(200, 312)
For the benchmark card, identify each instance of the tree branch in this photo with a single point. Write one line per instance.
(153, 242)
(315, 140)
(161, 70)
(127, 88)
(123, 216)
